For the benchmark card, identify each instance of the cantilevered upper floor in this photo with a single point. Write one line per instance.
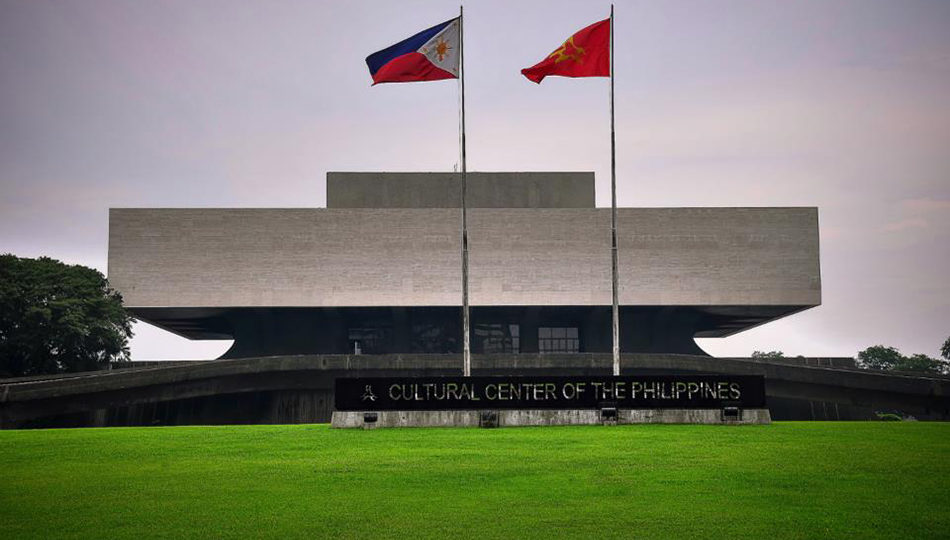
(392, 240)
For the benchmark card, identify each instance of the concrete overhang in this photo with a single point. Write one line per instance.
(184, 268)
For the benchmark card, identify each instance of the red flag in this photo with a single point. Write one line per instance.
(585, 54)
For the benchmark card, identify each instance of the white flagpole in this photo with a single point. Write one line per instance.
(466, 349)
(613, 208)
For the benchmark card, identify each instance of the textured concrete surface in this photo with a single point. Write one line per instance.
(691, 416)
(213, 258)
(443, 190)
(355, 419)
(521, 418)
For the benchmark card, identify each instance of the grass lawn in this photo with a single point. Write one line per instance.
(787, 480)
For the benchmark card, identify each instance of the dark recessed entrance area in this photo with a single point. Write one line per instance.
(437, 330)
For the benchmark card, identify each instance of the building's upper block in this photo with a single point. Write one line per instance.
(442, 190)
(340, 257)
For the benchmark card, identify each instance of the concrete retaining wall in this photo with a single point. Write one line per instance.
(520, 418)
(300, 388)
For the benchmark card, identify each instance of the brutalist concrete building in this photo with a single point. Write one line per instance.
(378, 270)
(371, 287)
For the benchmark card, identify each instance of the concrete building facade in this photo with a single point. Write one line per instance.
(378, 271)
(371, 287)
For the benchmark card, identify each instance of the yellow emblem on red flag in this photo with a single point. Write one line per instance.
(585, 54)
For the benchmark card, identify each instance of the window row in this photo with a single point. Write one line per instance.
(487, 338)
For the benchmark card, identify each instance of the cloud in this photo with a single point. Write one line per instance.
(926, 206)
(921, 214)
(904, 224)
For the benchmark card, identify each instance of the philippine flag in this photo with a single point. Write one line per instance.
(430, 55)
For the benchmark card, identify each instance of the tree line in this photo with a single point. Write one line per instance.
(883, 358)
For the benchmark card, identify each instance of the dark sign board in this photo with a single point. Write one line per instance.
(583, 392)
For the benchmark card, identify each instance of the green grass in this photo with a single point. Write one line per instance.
(787, 480)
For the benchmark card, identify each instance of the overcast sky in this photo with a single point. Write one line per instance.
(843, 105)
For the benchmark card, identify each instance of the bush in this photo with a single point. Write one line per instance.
(771, 355)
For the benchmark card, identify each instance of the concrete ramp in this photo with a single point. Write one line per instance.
(299, 389)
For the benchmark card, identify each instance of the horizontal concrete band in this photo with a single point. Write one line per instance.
(194, 374)
(313, 375)
(383, 257)
(443, 190)
(567, 417)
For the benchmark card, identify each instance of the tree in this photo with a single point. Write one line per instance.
(889, 358)
(771, 355)
(922, 362)
(945, 350)
(56, 317)
(879, 357)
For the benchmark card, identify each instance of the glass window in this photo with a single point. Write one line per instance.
(429, 337)
(497, 337)
(559, 339)
(369, 340)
